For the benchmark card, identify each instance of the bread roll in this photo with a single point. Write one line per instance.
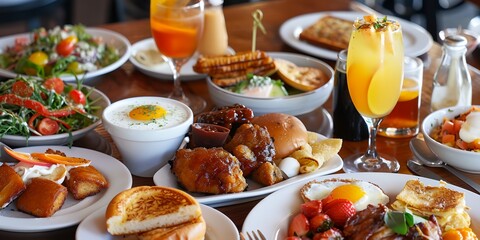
(145, 208)
(287, 131)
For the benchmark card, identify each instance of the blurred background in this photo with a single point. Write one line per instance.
(18, 16)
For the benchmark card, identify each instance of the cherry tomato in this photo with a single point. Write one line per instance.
(66, 46)
(54, 83)
(77, 96)
(39, 58)
(74, 67)
(48, 126)
(22, 89)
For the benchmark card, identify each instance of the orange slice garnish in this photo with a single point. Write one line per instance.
(25, 157)
(58, 159)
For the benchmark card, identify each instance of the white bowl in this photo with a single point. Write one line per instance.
(111, 38)
(294, 104)
(63, 138)
(463, 160)
(146, 147)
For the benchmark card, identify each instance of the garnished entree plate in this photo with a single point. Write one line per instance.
(117, 45)
(73, 211)
(164, 177)
(416, 40)
(272, 215)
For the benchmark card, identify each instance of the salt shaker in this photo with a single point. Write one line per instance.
(452, 84)
(214, 40)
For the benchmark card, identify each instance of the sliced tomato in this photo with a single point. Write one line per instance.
(54, 83)
(448, 138)
(457, 124)
(25, 157)
(77, 96)
(22, 89)
(48, 126)
(66, 46)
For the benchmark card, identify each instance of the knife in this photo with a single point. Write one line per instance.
(419, 169)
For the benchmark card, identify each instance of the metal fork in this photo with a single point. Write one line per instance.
(256, 235)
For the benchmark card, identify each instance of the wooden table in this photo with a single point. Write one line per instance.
(127, 82)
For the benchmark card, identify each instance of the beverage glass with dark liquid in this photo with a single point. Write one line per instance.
(403, 121)
(348, 124)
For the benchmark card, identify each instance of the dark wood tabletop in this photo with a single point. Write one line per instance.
(128, 82)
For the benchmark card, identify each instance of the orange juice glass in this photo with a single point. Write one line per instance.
(403, 121)
(177, 26)
(374, 78)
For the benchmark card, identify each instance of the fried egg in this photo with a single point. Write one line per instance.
(361, 193)
(146, 114)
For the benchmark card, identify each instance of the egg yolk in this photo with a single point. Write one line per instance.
(348, 191)
(147, 112)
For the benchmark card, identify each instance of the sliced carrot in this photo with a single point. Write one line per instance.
(58, 159)
(25, 157)
(448, 127)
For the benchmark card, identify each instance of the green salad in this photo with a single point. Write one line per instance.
(31, 106)
(67, 49)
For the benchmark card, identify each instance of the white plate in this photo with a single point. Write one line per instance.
(101, 101)
(273, 216)
(164, 177)
(72, 211)
(219, 226)
(416, 40)
(111, 38)
(162, 70)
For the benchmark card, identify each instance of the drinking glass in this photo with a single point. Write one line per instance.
(374, 78)
(177, 26)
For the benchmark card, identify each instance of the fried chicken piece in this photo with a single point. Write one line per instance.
(211, 170)
(252, 145)
(267, 174)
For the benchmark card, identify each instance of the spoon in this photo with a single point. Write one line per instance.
(427, 157)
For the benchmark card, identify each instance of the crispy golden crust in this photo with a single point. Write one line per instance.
(11, 185)
(193, 230)
(42, 198)
(329, 32)
(144, 208)
(85, 181)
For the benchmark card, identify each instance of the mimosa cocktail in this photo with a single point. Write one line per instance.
(374, 76)
(177, 27)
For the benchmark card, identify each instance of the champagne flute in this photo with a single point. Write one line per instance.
(177, 27)
(374, 78)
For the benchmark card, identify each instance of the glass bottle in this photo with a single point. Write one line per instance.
(348, 124)
(214, 41)
(452, 84)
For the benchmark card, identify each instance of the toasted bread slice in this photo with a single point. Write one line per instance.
(446, 204)
(329, 32)
(193, 230)
(145, 208)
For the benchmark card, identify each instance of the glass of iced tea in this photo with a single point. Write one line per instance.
(403, 121)
(177, 26)
(374, 78)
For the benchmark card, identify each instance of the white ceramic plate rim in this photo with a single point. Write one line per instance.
(115, 172)
(110, 37)
(280, 212)
(164, 177)
(62, 138)
(219, 226)
(162, 70)
(417, 40)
